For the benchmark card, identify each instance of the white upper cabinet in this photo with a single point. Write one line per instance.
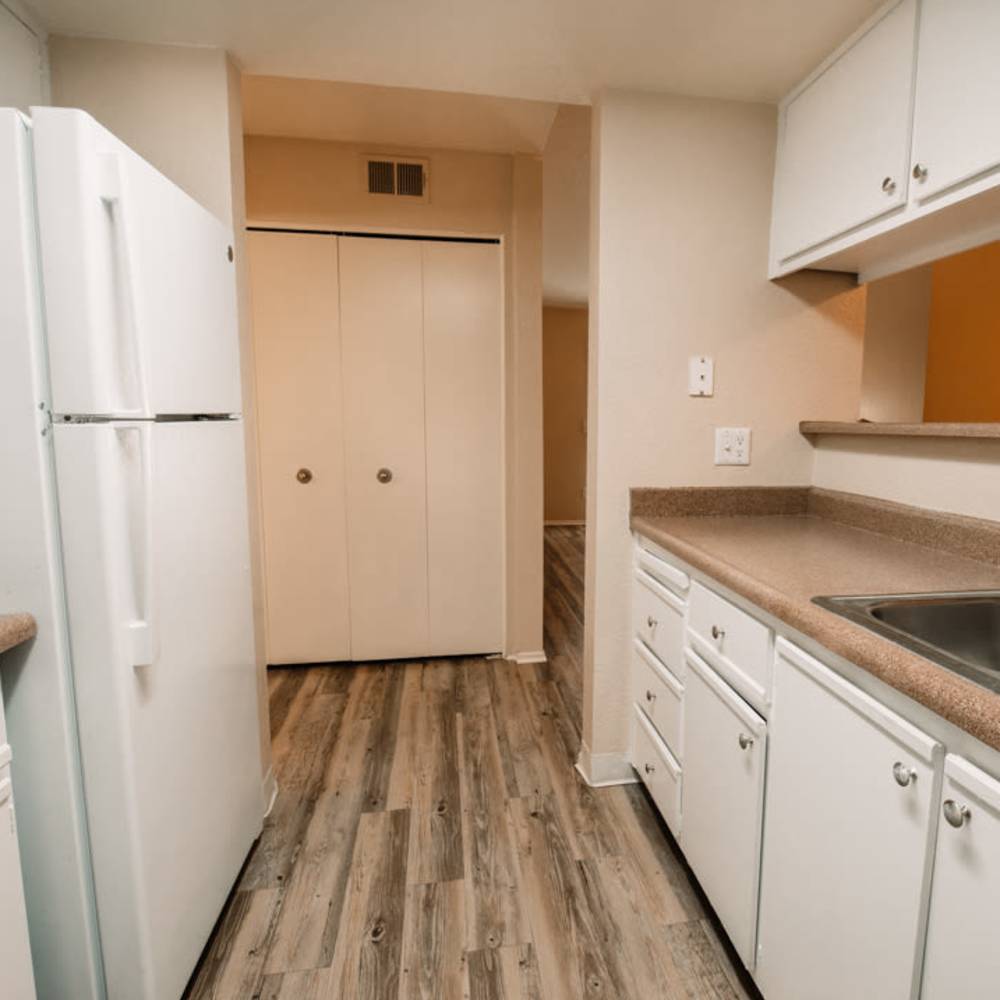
(962, 957)
(956, 128)
(843, 146)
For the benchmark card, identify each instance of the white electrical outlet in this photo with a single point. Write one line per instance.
(732, 445)
(701, 376)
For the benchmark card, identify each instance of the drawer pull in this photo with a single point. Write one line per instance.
(650, 697)
(904, 775)
(745, 741)
(718, 633)
(955, 814)
(651, 622)
(649, 769)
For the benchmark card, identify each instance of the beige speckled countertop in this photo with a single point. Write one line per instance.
(15, 629)
(779, 561)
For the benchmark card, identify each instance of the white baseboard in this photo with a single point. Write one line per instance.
(600, 770)
(565, 524)
(269, 791)
(537, 656)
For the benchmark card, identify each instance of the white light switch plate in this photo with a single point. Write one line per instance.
(732, 445)
(701, 376)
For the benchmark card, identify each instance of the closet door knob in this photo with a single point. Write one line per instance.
(304, 475)
(384, 475)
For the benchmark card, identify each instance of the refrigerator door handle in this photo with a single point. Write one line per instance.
(141, 629)
(133, 379)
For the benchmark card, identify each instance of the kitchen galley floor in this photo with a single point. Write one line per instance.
(431, 839)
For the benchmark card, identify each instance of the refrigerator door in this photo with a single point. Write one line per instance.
(37, 676)
(139, 284)
(157, 565)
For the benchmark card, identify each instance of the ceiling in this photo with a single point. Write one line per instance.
(379, 116)
(548, 50)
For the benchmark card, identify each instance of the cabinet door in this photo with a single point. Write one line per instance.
(296, 327)
(843, 148)
(847, 832)
(956, 127)
(721, 799)
(463, 351)
(962, 957)
(381, 320)
(15, 953)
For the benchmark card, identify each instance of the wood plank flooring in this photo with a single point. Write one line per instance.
(431, 840)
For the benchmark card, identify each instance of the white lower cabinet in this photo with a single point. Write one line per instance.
(850, 793)
(963, 932)
(725, 744)
(658, 769)
(17, 980)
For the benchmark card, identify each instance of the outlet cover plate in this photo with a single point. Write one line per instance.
(732, 445)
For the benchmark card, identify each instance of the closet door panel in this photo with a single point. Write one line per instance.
(295, 301)
(383, 377)
(463, 347)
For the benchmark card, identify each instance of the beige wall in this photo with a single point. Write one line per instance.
(895, 353)
(24, 73)
(564, 366)
(304, 182)
(180, 109)
(681, 201)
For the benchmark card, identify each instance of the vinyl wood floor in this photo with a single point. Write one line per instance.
(431, 840)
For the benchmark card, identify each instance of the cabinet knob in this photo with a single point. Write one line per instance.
(304, 475)
(955, 814)
(904, 775)
(919, 172)
(384, 475)
(649, 769)
(889, 185)
(718, 633)
(651, 622)
(745, 741)
(650, 697)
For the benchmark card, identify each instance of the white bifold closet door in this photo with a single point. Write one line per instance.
(296, 324)
(380, 373)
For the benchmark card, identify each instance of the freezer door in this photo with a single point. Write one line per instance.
(140, 288)
(158, 587)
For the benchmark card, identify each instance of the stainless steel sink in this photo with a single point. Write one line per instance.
(960, 631)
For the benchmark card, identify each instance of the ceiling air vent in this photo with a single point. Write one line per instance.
(400, 176)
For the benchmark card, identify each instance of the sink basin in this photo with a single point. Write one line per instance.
(960, 631)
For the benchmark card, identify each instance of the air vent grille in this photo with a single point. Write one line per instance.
(381, 177)
(410, 179)
(396, 175)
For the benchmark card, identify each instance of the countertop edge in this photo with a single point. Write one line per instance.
(899, 668)
(981, 431)
(15, 629)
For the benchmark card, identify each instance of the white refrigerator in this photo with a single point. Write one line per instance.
(133, 717)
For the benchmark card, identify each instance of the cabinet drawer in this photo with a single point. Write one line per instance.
(658, 619)
(734, 643)
(725, 743)
(659, 694)
(651, 561)
(659, 772)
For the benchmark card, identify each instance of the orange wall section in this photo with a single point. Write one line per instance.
(564, 379)
(963, 357)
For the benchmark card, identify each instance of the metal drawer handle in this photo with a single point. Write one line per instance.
(649, 769)
(904, 775)
(745, 741)
(919, 172)
(955, 814)
(889, 186)
(651, 622)
(650, 697)
(718, 633)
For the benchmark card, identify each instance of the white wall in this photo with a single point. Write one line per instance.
(566, 209)
(180, 109)
(960, 476)
(24, 71)
(681, 196)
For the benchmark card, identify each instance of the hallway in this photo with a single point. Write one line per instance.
(432, 839)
